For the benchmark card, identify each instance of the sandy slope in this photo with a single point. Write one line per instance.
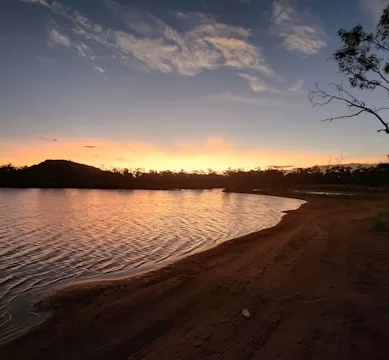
(317, 287)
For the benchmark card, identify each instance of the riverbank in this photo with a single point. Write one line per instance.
(316, 286)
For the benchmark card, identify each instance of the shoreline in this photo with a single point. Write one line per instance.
(43, 311)
(244, 267)
(156, 268)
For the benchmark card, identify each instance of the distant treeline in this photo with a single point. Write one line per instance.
(67, 174)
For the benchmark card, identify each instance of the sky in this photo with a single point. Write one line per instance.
(169, 84)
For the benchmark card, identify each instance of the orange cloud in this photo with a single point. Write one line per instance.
(213, 152)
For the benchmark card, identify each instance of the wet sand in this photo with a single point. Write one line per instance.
(316, 287)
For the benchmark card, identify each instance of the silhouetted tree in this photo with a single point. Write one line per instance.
(364, 60)
(66, 174)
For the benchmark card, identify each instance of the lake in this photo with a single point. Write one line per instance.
(49, 238)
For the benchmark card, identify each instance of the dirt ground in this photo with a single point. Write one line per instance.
(316, 287)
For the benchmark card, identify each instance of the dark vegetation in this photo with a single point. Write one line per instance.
(363, 59)
(380, 220)
(67, 174)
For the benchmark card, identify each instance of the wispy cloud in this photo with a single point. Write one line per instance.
(48, 139)
(204, 44)
(123, 159)
(189, 15)
(299, 31)
(207, 45)
(256, 84)
(57, 38)
(373, 7)
(230, 96)
(99, 69)
(263, 102)
(296, 87)
(42, 2)
(85, 51)
(89, 146)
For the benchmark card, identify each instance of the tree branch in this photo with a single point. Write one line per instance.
(360, 62)
(326, 98)
(383, 78)
(382, 108)
(379, 45)
(343, 116)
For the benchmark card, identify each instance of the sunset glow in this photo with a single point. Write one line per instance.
(177, 85)
(214, 153)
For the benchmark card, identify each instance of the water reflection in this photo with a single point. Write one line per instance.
(48, 237)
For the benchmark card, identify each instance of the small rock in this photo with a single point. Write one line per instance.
(246, 313)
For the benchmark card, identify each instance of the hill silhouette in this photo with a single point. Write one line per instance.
(63, 174)
(69, 174)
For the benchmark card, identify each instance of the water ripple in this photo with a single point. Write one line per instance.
(52, 237)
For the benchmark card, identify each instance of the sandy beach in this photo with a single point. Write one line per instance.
(316, 287)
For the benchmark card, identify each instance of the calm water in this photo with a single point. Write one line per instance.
(51, 237)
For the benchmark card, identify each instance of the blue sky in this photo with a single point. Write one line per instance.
(178, 84)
